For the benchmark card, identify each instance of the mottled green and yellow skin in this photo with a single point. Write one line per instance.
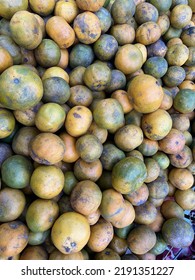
(108, 114)
(9, 7)
(177, 232)
(7, 123)
(97, 76)
(87, 27)
(14, 50)
(41, 214)
(20, 88)
(128, 175)
(26, 30)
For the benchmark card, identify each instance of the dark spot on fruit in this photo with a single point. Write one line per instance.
(23, 236)
(82, 25)
(79, 98)
(67, 249)
(92, 35)
(36, 108)
(97, 86)
(25, 94)
(2, 249)
(16, 81)
(148, 128)
(73, 244)
(117, 212)
(157, 82)
(115, 114)
(190, 31)
(144, 11)
(40, 160)
(35, 30)
(176, 142)
(178, 157)
(142, 201)
(14, 225)
(107, 253)
(77, 116)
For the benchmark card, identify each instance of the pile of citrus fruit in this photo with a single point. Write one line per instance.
(97, 128)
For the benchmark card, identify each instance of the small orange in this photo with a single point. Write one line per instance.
(156, 125)
(50, 181)
(67, 9)
(55, 71)
(108, 114)
(64, 58)
(12, 203)
(101, 235)
(9, 8)
(100, 133)
(122, 97)
(148, 33)
(21, 88)
(88, 170)
(43, 8)
(185, 198)
(71, 154)
(60, 31)
(50, 117)
(142, 99)
(128, 59)
(6, 59)
(7, 123)
(87, 27)
(14, 237)
(70, 232)
(40, 148)
(123, 33)
(90, 5)
(89, 191)
(181, 178)
(78, 120)
(25, 30)
(41, 214)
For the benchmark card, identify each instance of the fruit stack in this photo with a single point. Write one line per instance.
(97, 129)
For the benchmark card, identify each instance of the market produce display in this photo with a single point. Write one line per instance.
(97, 129)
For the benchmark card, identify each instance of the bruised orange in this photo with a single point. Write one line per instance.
(87, 27)
(70, 232)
